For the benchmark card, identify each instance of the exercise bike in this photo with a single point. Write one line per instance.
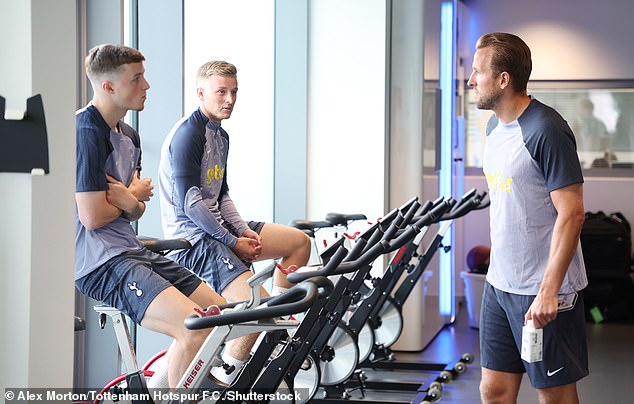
(230, 321)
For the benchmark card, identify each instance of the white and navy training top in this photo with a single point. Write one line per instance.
(524, 161)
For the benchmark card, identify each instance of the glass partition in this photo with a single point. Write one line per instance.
(601, 115)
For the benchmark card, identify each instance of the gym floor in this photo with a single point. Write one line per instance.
(610, 350)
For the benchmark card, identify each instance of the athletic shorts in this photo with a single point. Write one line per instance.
(565, 353)
(131, 281)
(213, 261)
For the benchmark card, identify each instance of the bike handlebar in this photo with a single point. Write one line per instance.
(326, 270)
(306, 293)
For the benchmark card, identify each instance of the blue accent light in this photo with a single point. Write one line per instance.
(446, 173)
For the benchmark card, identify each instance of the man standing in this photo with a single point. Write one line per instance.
(536, 270)
(195, 203)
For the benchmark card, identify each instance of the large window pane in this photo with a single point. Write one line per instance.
(240, 32)
(599, 114)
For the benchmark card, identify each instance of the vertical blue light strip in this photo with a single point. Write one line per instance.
(446, 172)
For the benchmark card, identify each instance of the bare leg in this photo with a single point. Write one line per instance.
(288, 243)
(566, 394)
(166, 314)
(499, 387)
(238, 290)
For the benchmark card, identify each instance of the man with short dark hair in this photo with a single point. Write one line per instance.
(111, 265)
(536, 270)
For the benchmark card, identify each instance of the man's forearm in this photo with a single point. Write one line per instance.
(136, 213)
(564, 243)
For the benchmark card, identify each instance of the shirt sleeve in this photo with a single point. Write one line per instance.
(198, 213)
(551, 143)
(230, 213)
(187, 148)
(558, 159)
(92, 150)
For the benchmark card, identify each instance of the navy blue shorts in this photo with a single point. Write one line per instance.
(213, 261)
(131, 281)
(565, 353)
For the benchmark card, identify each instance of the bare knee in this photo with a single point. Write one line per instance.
(191, 340)
(492, 393)
(566, 394)
(300, 246)
(238, 289)
(499, 387)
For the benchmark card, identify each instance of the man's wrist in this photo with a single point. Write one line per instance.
(136, 212)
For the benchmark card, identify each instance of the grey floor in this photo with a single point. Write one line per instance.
(611, 379)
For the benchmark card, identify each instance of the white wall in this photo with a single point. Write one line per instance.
(346, 107)
(15, 257)
(569, 39)
(38, 44)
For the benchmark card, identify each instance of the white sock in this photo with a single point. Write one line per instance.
(221, 374)
(159, 380)
(277, 290)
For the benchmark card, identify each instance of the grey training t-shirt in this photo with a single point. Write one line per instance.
(524, 161)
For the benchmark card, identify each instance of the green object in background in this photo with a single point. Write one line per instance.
(595, 312)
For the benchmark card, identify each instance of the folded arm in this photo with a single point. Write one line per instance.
(94, 209)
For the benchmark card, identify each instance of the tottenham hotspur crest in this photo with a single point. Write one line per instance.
(228, 263)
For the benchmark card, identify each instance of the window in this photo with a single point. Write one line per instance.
(599, 113)
(217, 30)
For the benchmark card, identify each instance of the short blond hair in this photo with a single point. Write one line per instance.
(216, 68)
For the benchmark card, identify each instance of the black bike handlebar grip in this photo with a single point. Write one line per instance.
(396, 224)
(367, 257)
(461, 211)
(484, 204)
(467, 196)
(410, 232)
(466, 199)
(437, 201)
(258, 279)
(471, 204)
(404, 207)
(426, 207)
(434, 214)
(157, 245)
(407, 218)
(385, 221)
(323, 284)
(307, 290)
(326, 270)
(356, 251)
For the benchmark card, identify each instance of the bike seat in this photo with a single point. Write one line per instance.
(158, 245)
(309, 224)
(342, 219)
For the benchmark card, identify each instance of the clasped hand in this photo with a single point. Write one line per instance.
(248, 247)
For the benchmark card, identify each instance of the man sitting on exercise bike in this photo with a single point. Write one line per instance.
(111, 265)
(195, 205)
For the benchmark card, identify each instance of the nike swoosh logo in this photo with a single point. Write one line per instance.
(549, 373)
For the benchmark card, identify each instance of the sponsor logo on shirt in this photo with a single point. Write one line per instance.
(215, 174)
(497, 182)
